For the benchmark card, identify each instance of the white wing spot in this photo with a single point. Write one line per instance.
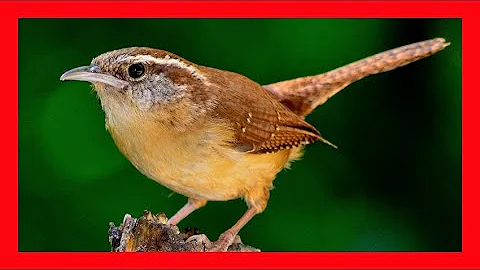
(248, 118)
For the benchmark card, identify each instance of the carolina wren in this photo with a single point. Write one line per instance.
(215, 135)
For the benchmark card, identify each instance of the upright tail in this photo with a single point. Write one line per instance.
(303, 95)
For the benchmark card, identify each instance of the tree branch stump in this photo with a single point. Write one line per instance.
(151, 233)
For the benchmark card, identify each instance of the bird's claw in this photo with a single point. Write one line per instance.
(200, 238)
(224, 241)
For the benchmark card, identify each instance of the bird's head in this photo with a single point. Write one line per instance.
(143, 77)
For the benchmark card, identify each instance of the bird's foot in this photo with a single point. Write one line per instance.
(224, 241)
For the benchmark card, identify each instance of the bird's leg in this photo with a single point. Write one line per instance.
(187, 209)
(229, 236)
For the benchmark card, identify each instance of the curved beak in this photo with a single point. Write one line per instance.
(92, 74)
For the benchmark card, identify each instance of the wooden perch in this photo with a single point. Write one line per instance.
(151, 233)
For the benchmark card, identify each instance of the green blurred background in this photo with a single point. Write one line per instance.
(394, 184)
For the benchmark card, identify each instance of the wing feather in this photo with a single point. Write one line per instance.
(261, 123)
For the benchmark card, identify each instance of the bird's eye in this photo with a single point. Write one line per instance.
(136, 70)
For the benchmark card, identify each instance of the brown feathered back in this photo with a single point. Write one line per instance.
(262, 124)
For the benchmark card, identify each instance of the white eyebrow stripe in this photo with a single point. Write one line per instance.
(169, 61)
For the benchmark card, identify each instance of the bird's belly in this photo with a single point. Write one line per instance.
(215, 175)
(199, 165)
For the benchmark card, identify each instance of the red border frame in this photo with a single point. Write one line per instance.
(468, 11)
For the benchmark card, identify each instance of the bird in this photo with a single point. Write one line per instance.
(215, 135)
